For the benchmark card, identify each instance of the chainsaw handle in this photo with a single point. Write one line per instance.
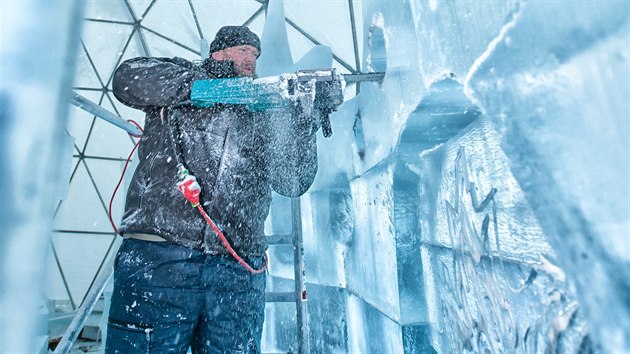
(325, 123)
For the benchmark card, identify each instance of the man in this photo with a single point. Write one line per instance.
(175, 284)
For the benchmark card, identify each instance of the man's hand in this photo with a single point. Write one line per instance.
(328, 97)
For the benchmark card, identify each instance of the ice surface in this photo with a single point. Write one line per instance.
(468, 184)
(275, 57)
(487, 254)
(560, 104)
(521, 216)
(34, 98)
(371, 258)
(474, 201)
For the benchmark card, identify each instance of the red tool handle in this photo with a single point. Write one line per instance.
(190, 189)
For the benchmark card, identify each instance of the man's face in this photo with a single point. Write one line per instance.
(243, 57)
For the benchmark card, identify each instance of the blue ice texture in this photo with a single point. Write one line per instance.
(34, 155)
(476, 200)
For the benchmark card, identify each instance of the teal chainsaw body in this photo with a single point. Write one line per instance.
(257, 95)
(277, 92)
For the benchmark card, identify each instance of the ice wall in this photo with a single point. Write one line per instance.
(474, 201)
(477, 199)
(560, 103)
(34, 155)
(489, 284)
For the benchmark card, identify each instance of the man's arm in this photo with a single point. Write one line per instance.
(293, 151)
(143, 82)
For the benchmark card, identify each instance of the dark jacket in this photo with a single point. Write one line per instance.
(237, 156)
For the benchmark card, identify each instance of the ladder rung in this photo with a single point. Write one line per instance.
(280, 239)
(280, 296)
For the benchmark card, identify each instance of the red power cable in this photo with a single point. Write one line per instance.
(227, 244)
(195, 203)
(111, 201)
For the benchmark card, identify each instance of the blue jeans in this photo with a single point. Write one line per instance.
(168, 298)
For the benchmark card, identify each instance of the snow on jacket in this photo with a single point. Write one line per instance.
(238, 157)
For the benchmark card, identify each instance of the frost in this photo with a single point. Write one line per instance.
(473, 201)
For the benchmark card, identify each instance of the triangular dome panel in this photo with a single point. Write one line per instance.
(86, 75)
(80, 256)
(334, 13)
(173, 21)
(107, 11)
(106, 44)
(108, 140)
(82, 210)
(140, 7)
(160, 46)
(216, 14)
(80, 121)
(106, 174)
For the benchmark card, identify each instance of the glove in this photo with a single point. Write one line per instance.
(328, 96)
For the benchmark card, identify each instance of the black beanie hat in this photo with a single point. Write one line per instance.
(231, 36)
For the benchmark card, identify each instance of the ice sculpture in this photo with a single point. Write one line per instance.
(560, 103)
(34, 93)
(478, 223)
(474, 201)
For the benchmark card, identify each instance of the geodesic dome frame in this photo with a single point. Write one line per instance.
(114, 31)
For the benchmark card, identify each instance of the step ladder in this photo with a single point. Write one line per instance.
(298, 295)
